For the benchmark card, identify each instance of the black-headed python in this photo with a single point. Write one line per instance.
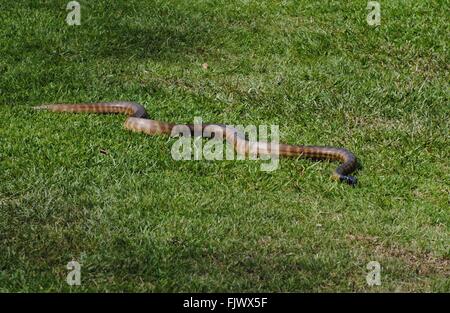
(137, 121)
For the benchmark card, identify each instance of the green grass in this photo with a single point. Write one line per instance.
(137, 220)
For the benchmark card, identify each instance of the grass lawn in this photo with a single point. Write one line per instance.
(137, 220)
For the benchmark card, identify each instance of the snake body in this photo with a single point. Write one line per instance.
(137, 121)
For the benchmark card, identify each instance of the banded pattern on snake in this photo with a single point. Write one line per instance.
(137, 121)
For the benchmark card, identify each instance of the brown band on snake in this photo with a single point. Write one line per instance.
(137, 121)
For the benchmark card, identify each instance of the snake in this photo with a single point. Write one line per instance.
(137, 121)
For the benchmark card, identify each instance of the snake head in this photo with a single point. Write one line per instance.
(351, 180)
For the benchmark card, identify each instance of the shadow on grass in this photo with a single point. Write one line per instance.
(177, 37)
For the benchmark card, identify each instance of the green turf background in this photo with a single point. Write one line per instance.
(139, 221)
